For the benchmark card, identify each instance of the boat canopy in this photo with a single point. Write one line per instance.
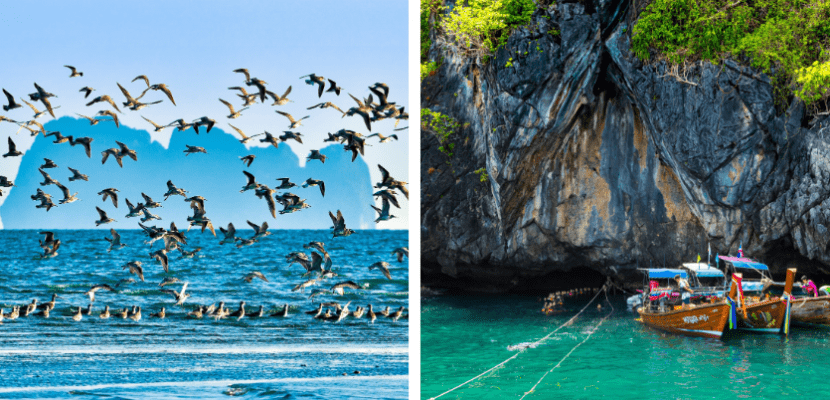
(703, 270)
(665, 273)
(740, 262)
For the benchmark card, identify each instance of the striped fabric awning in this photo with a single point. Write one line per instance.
(743, 262)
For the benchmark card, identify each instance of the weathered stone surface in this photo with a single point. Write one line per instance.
(596, 160)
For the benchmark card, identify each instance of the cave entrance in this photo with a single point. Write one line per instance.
(575, 278)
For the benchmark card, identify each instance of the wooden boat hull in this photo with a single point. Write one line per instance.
(811, 310)
(704, 321)
(764, 316)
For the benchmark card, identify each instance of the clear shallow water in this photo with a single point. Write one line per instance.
(185, 358)
(462, 336)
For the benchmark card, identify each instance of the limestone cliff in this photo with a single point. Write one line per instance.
(597, 161)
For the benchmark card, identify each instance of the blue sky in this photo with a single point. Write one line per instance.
(193, 47)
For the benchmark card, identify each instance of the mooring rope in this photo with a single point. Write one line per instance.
(574, 348)
(620, 288)
(534, 344)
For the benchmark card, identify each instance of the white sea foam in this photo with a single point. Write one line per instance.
(346, 349)
(205, 383)
(522, 346)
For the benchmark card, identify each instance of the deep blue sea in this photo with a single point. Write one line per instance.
(463, 336)
(179, 357)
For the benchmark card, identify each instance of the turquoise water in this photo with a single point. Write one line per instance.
(462, 336)
(178, 357)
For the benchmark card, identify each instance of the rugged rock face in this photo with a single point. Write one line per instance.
(595, 160)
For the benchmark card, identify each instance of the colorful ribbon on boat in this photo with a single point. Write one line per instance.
(652, 285)
(788, 299)
(733, 316)
(737, 281)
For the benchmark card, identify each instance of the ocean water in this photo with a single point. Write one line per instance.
(177, 357)
(463, 336)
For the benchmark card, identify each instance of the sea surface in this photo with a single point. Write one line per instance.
(179, 357)
(463, 336)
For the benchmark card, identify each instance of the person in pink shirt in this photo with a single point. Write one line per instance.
(809, 286)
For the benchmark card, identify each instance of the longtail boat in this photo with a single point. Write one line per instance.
(811, 311)
(807, 310)
(706, 281)
(761, 313)
(705, 321)
(659, 309)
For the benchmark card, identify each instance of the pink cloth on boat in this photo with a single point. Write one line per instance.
(811, 288)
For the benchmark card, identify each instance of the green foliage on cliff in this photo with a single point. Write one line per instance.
(814, 81)
(428, 68)
(781, 37)
(443, 126)
(429, 8)
(481, 26)
(482, 174)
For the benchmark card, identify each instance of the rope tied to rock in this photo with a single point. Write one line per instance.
(534, 344)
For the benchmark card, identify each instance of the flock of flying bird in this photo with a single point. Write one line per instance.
(318, 266)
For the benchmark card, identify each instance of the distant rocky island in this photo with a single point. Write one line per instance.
(348, 186)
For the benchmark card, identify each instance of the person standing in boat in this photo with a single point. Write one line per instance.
(809, 286)
(683, 286)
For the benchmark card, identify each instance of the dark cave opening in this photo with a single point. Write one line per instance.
(576, 278)
(782, 255)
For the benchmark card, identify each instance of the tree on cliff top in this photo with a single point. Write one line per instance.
(482, 26)
(787, 39)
